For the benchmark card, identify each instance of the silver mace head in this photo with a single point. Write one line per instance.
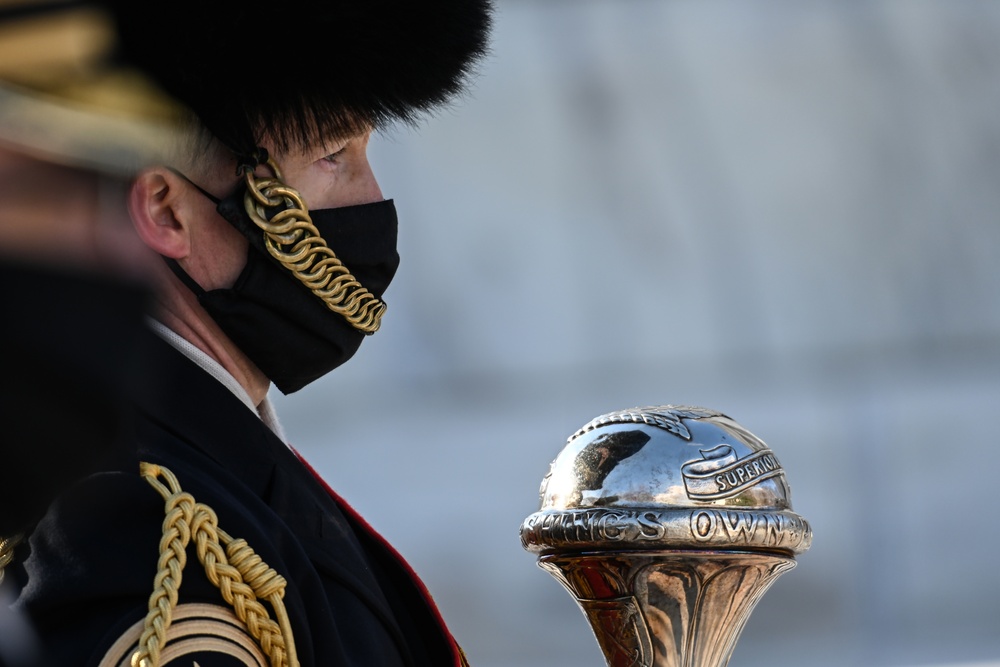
(667, 524)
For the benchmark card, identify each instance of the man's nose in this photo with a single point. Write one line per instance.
(372, 192)
(364, 187)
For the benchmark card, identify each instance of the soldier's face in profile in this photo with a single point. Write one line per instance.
(327, 175)
(332, 174)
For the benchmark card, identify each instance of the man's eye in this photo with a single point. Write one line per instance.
(332, 157)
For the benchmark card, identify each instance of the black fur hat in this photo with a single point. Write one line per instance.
(299, 70)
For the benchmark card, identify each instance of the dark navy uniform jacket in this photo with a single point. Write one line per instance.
(84, 576)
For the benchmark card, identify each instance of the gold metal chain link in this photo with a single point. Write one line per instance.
(292, 239)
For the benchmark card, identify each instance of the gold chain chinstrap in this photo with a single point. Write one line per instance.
(231, 565)
(292, 239)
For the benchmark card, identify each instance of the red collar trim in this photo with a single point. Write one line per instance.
(457, 655)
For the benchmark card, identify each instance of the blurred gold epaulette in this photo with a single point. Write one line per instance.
(243, 579)
(7, 546)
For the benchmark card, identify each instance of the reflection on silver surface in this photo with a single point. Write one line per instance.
(667, 524)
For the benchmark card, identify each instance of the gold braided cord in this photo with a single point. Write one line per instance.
(292, 239)
(230, 564)
(7, 546)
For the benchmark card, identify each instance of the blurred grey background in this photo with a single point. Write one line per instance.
(785, 210)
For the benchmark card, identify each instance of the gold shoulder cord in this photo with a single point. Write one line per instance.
(231, 565)
(293, 240)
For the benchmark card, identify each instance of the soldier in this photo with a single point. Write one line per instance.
(202, 538)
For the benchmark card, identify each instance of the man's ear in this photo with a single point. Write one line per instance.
(158, 203)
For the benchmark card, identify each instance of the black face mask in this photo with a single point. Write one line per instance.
(275, 320)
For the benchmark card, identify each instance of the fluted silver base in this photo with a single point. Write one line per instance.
(667, 608)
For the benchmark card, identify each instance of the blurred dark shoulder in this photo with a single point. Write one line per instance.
(71, 357)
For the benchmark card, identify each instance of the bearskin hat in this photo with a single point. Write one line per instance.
(82, 81)
(296, 70)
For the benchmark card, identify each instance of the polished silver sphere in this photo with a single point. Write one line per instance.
(666, 477)
(665, 456)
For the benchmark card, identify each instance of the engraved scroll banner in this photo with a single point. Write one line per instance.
(720, 474)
